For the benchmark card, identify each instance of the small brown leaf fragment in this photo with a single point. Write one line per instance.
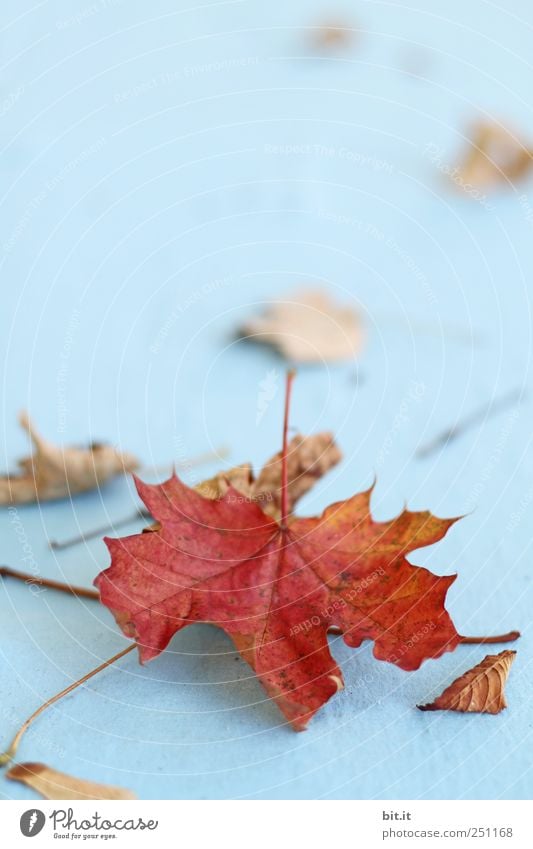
(480, 690)
(309, 327)
(52, 784)
(495, 156)
(54, 472)
(332, 36)
(239, 477)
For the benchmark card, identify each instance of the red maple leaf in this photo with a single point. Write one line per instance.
(278, 588)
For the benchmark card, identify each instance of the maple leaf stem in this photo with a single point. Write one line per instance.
(7, 756)
(501, 638)
(284, 467)
(83, 592)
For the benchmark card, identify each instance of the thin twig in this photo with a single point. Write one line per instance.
(474, 418)
(141, 513)
(84, 592)
(198, 460)
(471, 641)
(10, 753)
(502, 638)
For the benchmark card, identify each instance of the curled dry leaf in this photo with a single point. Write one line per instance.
(480, 690)
(308, 328)
(53, 472)
(52, 784)
(495, 156)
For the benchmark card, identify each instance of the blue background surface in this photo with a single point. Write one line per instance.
(165, 169)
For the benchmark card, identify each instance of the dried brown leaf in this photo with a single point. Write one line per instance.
(52, 784)
(54, 472)
(309, 327)
(480, 690)
(308, 460)
(495, 156)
